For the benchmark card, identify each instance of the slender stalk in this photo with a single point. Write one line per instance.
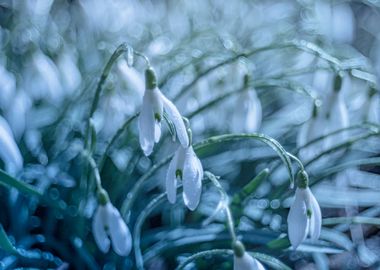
(207, 253)
(117, 135)
(95, 169)
(132, 195)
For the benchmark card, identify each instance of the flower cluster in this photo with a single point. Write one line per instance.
(185, 165)
(108, 225)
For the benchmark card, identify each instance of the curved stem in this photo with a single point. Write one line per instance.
(211, 252)
(297, 160)
(225, 203)
(341, 146)
(301, 45)
(95, 170)
(117, 135)
(127, 204)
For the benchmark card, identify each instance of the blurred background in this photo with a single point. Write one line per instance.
(52, 55)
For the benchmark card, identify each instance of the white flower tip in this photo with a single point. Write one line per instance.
(247, 262)
(298, 222)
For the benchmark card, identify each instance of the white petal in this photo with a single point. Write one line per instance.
(254, 113)
(157, 131)
(247, 262)
(316, 217)
(146, 125)
(177, 120)
(9, 151)
(171, 179)
(297, 219)
(192, 179)
(119, 232)
(374, 109)
(98, 229)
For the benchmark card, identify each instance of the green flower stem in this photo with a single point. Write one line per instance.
(94, 168)
(207, 253)
(341, 146)
(127, 204)
(285, 84)
(352, 220)
(354, 163)
(226, 62)
(138, 226)
(301, 45)
(120, 50)
(373, 128)
(299, 162)
(369, 126)
(117, 135)
(225, 204)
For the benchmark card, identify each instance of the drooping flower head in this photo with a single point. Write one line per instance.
(336, 112)
(244, 261)
(247, 116)
(9, 151)
(108, 227)
(186, 167)
(151, 115)
(305, 214)
(310, 130)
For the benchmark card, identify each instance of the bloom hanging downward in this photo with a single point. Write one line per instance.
(244, 261)
(247, 115)
(337, 113)
(9, 151)
(304, 215)
(108, 225)
(185, 166)
(310, 130)
(154, 103)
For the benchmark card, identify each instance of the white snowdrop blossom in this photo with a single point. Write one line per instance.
(185, 166)
(9, 151)
(310, 130)
(247, 262)
(337, 118)
(109, 227)
(304, 217)
(154, 103)
(247, 115)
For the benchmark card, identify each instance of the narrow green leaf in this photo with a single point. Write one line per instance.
(249, 188)
(280, 243)
(5, 243)
(352, 220)
(270, 261)
(8, 180)
(275, 145)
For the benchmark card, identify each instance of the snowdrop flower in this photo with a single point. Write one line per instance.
(154, 103)
(185, 166)
(336, 113)
(310, 130)
(247, 115)
(374, 107)
(9, 151)
(244, 261)
(109, 227)
(305, 214)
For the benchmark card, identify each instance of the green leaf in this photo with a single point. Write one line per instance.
(249, 188)
(8, 180)
(280, 243)
(270, 261)
(275, 145)
(5, 243)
